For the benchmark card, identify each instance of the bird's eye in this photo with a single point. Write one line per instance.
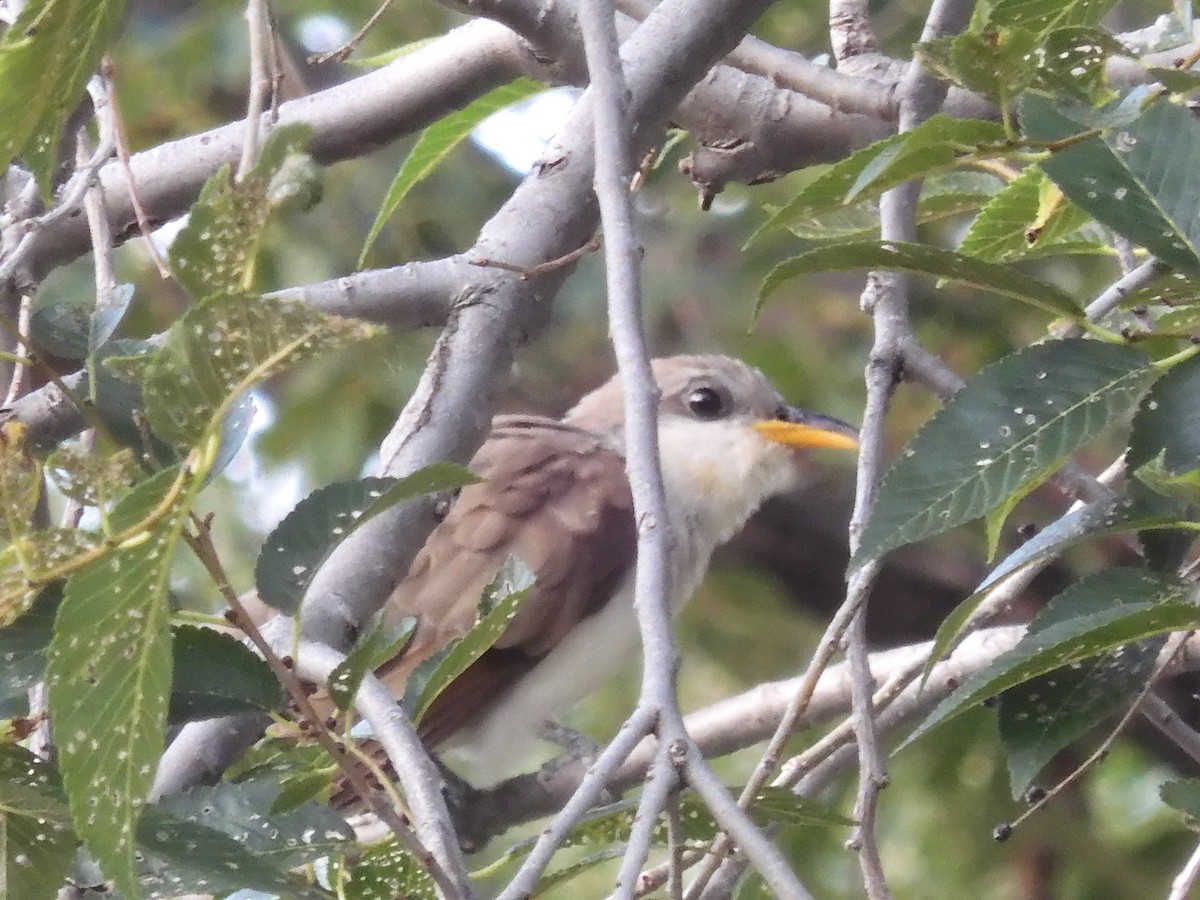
(706, 403)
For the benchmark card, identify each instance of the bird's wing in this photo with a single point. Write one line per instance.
(555, 496)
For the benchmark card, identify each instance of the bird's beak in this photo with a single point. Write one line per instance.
(798, 428)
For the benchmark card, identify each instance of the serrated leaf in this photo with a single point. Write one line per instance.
(1021, 219)
(1042, 716)
(942, 196)
(37, 843)
(20, 482)
(1101, 613)
(381, 644)
(435, 144)
(301, 543)
(225, 345)
(998, 63)
(1183, 795)
(938, 143)
(247, 812)
(217, 675)
(1138, 179)
(1167, 423)
(109, 678)
(89, 477)
(1114, 516)
(1016, 420)
(46, 59)
(1138, 512)
(1043, 16)
(935, 144)
(184, 856)
(500, 601)
(214, 252)
(28, 563)
(925, 260)
(75, 325)
(384, 872)
(1073, 61)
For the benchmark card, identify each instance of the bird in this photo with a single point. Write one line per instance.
(554, 493)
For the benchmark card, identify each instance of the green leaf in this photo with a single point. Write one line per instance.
(1101, 613)
(998, 64)
(384, 872)
(89, 477)
(1167, 424)
(223, 346)
(46, 59)
(1014, 422)
(109, 678)
(1138, 511)
(217, 675)
(214, 253)
(1042, 716)
(246, 811)
(185, 856)
(500, 601)
(301, 543)
(42, 552)
(1030, 213)
(381, 644)
(942, 196)
(1115, 516)
(1043, 16)
(1074, 60)
(75, 325)
(567, 873)
(435, 144)
(1138, 179)
(1183, 795)
(1181, 319)
(938, 143)
(924, 260)
(37, 843)
(1170, 288)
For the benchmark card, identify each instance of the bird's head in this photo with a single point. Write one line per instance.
(728, 440)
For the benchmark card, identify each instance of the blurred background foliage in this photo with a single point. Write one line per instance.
(181, 68)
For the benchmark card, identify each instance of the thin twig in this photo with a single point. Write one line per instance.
(1158, 712)
(423, 784)
(545, 268)
(342, 53)
(258, 28)
(631, 732)
(104, 100)
(660, 785)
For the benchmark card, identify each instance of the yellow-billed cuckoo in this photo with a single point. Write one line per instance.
(555, 494)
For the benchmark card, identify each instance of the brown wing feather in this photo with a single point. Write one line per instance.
(552, 494)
